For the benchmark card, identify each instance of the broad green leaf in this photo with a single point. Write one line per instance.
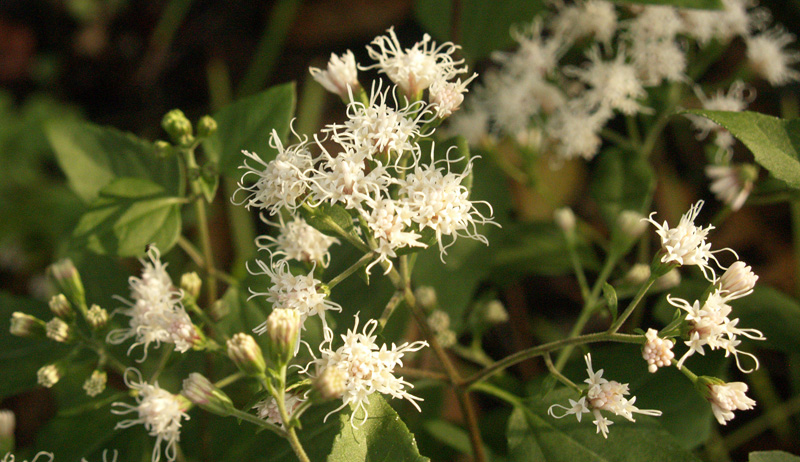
(539, 437)
(247, 125)
(484, 25)
(129, 214)
(20, 358)
(330, 219)
(698, 4)
(383, 436)
(622, 180)
(450, 434)
(775, 143)
(93, 156)
(772, 456)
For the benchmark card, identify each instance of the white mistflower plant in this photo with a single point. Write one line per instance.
(422, 253)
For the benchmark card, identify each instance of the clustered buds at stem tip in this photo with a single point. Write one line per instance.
(206, 126)
(68, 280)
(178, 127)
(48, 375)
(58, 330)
(246, 354)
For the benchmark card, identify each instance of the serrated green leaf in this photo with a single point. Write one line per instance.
(484, 24)
(247, 124)
(622, 180)
(129, 214)
(539, 437)
(696, 4)
(774, 142)
(93, 156)
(772, 456)
(383, 436)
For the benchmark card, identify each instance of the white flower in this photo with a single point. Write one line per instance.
(96, 383)
(769, 59)
(727, 398)
(686, 244)
(736, 100)
(268, 409)
(341, 76)
(292, 292)
(655, 23)
(657, 351)
(438, 200)
(575, 129)
(48, 375)
(446, 97)
(390, 222)
(281, 182)
(297, 240)
(564, 218)
(595, 18)
(731, 184)
(156, 312)
(158, 410)
(535, 57)
(57, 330)
(602, 395)
(614, 84)
(712, 326)
(368, 367)
(658, 60)
(414, 69)
(472, 123)
(738, 281)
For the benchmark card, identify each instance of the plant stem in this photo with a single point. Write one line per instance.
(625, 314)
(795, 210)
(202, 223)
(235, 377)
(197, 258)
(390, 307)
(162, 363)
(533, 352)
(577, 266)
(291, 435)
(421, 374)
(349, 271)
(557, 374)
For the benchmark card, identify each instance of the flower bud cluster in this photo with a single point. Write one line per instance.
(657, 351)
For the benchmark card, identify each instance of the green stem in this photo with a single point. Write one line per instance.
(242, 228)
(349, 271)
(162, 363)
(235, 377)
(557, 374)
(577, 266)
(332, 225)
(291, 435)
(195, 255)
(247, 417)
(685, 370)
(632, 306)
(540, 350)
(390, 307)
(202, 223)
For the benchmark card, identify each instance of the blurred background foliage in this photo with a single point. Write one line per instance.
(125, 63)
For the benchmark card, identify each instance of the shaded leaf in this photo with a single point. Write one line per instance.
(129, 214)
(93, 156)
(772, 456)
(622, 180)
(247, 124)
(774, 142)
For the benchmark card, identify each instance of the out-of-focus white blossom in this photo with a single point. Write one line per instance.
(732, 184)
(297, 240)
(614, 84)
(341, 76)
(769, 58)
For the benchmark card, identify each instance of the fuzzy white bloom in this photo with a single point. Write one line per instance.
(638, 274)
(631, 223)
(668, 281)
(727, 398)
(735, 100)
(602, 395)
(769, 59)
(369, 368)
(657, 351)
(390, 223)
(686, 244)
(615, 84)
(738, 281)
(156, 312)
(575, 130)
(446, 97)
(655, 23)
(302, 293)
(268, 409)
(731, 184)
(297, 240)
(592, 18)
(723, 25)
(158, 410)
(536, 56)
(658, 60)
(439, 201)
(510, 100)
(472, 123)
(439, 322)
(564, 218)
(414, 69)
(279, 183)
(341, 76)
(48, 375)
(712, 326)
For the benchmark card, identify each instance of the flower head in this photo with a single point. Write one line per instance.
(613, 84)
(737, 281)
(156, 312)
(732, 184)
(297, 240)
(158, 410)
(341, 76)
(728, 397)
(769, 59)
(268, 409)
(369, 368)
(657, 351)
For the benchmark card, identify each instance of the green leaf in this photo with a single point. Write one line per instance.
(330, 219)
(611, 299)
(247, 125)
(383, 436)
(484, 24)
(772, 456)
(450, 434)
(535, 436)
(774, 142)
(129, 214)
(93, 156)
(622, 180)
(697, 4)
(537, 248)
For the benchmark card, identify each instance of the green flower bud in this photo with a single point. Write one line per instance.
(246, 354)
(164, 150)
(191, 284)
(283, 330)
(60, 307)
(178, 127)
(200, 391)
(25, 325)
(206, 126)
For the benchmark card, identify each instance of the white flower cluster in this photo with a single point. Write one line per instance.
(602, 395)
(540, 97)
(368, 368)
(268, 409)
(710, 323)
(657, 351)
(158, 410)
(156, 312)
(728, 397)
(299, 241)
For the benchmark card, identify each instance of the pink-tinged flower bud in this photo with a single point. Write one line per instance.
(60, 307)
(49, 375)
(330, 384)
(96, 383)
(58, 330)
(738, 281)
(657, 351)
(200, 391)
(724, 397)
(97, 317)
(245, 352)
(25, 325)
(283, 330)
(191, 284)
